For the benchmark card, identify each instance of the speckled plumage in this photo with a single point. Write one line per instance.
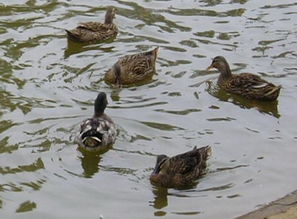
(132, 69)
(99, 131)
(95, 31)
(181, 170)
(247, 85)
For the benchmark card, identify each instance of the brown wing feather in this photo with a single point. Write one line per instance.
(186, 163)
(181, 170)
(133, 68)
(246, 80)
(96, 26)
(137, 65)
(182, 165)
(251, 86)
(93, 31)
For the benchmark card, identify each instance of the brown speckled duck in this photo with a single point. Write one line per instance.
(95, 31)
(181, 170)
(98, 132)
(132, 69)
(247, 85)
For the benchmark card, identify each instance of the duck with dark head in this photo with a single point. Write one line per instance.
(100, 131)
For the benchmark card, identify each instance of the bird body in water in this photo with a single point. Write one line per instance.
(131, 69)
(181, 170)
(99, 131)
(247, 85)
(95, 31)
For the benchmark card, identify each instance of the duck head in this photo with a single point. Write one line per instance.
(100, 104)
(161, 164)
(110, 15)
(220, 63)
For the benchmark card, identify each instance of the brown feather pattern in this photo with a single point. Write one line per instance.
(94, 31)
(247, 85)
(99, 131)
(134, 68)
(181, 170)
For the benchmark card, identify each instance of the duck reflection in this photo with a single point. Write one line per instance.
(115, 94)
(160, 200)
(75, 48)
(266, 107)
(90, 162)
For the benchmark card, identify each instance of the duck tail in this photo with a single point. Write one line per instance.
(205, 151)
(153, 52)
(91, 138)
(156, 51)
(273, 93)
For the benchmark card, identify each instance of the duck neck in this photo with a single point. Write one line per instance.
(98, 114)
(225, 73)
(99, 110)
(108, 19)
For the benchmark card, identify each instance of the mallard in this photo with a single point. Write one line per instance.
(99, 131)
(132, 69)
(181, 170)
(95, 31)
(247, 85)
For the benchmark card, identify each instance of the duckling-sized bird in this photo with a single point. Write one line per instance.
(181, 170)
(100, 131)
(132, 69)
(247, 85)
(95, 31)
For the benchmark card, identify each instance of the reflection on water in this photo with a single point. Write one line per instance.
(48, 84)
(26, 206)
(90, 163)
(267, 107)
(76, 48)
(160, 200)
(28, 168)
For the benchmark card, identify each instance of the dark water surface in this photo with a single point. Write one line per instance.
(47, 86)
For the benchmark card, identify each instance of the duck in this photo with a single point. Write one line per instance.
(182, 170)
(99, 131)
(131, 69)
(248, 85)
(95, 31)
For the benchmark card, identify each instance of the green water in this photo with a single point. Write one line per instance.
(48, 85)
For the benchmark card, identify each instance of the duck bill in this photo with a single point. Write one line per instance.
(157, 169)
(209, 68)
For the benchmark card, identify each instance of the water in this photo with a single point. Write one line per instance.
(48, 86)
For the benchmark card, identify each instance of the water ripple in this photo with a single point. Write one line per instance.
(48, 86)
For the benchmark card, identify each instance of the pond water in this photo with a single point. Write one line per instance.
(47, 87)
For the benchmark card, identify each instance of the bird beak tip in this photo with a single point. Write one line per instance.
(209, 67)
